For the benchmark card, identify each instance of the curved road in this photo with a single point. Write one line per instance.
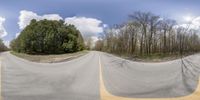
(78, 79)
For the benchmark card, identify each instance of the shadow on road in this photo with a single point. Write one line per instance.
(188, 74)
(190, 71)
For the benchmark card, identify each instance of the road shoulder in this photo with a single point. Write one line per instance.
(50, 58)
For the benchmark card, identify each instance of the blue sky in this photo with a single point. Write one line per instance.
(107, 11)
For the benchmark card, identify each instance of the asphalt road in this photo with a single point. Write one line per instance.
(78, 79)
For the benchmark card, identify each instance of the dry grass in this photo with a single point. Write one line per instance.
(155, 57)
(50, 58)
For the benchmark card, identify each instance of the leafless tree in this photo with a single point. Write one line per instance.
(146, 33)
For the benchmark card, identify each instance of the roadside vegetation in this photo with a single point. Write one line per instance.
(48, 37)
(2, 46)
(52, 58)
(148, 36)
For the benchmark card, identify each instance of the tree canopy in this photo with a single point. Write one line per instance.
(48, 37)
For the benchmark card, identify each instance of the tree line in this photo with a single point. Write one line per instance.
(48, 37)
(147, 34)
(2, 46)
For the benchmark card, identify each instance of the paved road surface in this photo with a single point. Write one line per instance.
(79, 79)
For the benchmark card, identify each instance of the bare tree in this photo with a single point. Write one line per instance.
(146, 34)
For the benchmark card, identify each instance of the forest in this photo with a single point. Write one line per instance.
(146, 34)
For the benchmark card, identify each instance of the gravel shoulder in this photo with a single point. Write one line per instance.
(50, 58)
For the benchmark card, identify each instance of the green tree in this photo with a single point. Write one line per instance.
(48, 37)
(2, 46)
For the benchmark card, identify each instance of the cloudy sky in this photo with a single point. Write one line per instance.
(89, 16)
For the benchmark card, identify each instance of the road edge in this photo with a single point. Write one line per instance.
(0, 79)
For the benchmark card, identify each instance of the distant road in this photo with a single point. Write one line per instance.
(79, 79)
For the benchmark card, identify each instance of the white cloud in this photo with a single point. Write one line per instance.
(189, 26)
(26, 16)
(2, 29)
(7, 43)
(196, 21)
(87, 26)
(17, 34)
(94, 38)
(105, 25)
(191, 23)
(52, 17)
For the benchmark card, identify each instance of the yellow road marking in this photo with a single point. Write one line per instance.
(105, 95)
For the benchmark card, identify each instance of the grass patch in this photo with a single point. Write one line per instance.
(157, 57)
(53, 58)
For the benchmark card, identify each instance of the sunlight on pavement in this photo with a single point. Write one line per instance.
(105, 95)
